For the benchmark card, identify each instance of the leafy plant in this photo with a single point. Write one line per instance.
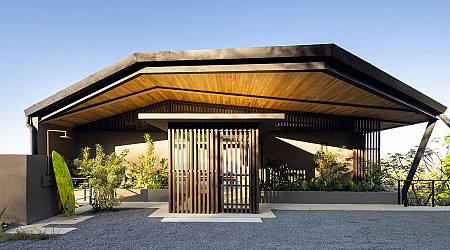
(354, 186)
(435, 165)
(105, 174)
(332, 172)
(147, 173)
(279, 177)
(19, 235)
(304, 185)
(2, 224)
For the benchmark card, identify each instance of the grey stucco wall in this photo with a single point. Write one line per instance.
(42, 202)
(21, 190)
(13, 187)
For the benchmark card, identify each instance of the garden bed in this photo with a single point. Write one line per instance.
(324, 197)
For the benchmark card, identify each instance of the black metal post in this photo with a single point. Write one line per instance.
(432, 193)
(90, 193)
(412, 171)
(398, 192)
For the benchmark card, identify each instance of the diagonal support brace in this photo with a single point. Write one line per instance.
(445, 119)
(420, 151)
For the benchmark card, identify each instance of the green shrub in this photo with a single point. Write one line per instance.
(147, 173)
(105, 174)
(2, 224)
(278, 180)
(304, 185)
(332, 172)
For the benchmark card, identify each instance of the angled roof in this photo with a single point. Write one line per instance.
(320, 78)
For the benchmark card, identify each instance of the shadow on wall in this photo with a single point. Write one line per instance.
(297, 149)
(118, 141)
(161, 150)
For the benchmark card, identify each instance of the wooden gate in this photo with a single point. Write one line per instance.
(213, 168)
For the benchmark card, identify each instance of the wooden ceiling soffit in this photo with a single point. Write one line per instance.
(275, 86)
(307, 66)
(314, 87)
(159, 95)
(306, 86)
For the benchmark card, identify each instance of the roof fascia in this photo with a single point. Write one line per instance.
(384, 78)
(270, 54)
(183, 58)
(83, 84)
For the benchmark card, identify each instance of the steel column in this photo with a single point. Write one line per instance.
(445, 119)
(412, 171)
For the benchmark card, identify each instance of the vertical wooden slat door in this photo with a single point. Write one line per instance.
(213, 170)
(240, 159)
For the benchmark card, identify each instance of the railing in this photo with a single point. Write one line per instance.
(76, 181)
(291, 175)
(424, 193)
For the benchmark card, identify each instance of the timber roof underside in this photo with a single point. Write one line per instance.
(313, 92)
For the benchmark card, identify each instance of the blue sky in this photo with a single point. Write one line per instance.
(46, 46)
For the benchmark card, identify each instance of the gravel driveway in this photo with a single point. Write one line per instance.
(132, 229)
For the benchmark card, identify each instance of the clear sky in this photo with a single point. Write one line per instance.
(46, 46)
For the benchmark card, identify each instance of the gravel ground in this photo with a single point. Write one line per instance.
(132, 229)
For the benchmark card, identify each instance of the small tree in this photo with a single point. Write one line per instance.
(435, 165)
(332, 172)
(105, 174)
(146, 173)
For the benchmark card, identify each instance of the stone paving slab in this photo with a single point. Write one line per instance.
(220, 220)
(44, 226)
(41, 230)
(352, 207)
(163, 212)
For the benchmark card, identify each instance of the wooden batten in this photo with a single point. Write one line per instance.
(210, 170)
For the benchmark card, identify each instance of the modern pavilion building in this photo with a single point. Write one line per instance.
(220, 113)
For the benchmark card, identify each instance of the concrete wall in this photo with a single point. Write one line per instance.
(42, 202)
(21, 190)
(13, 175)
(144, 195)
(297, 149)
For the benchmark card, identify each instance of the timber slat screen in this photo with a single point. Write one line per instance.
(213, 168)
(366, 152)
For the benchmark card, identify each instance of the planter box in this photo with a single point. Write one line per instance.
(144, 195)
(323, 197)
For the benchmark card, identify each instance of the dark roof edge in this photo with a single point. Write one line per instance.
(86, 82)
(317, 50)
(180, 55)
(373, 71)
